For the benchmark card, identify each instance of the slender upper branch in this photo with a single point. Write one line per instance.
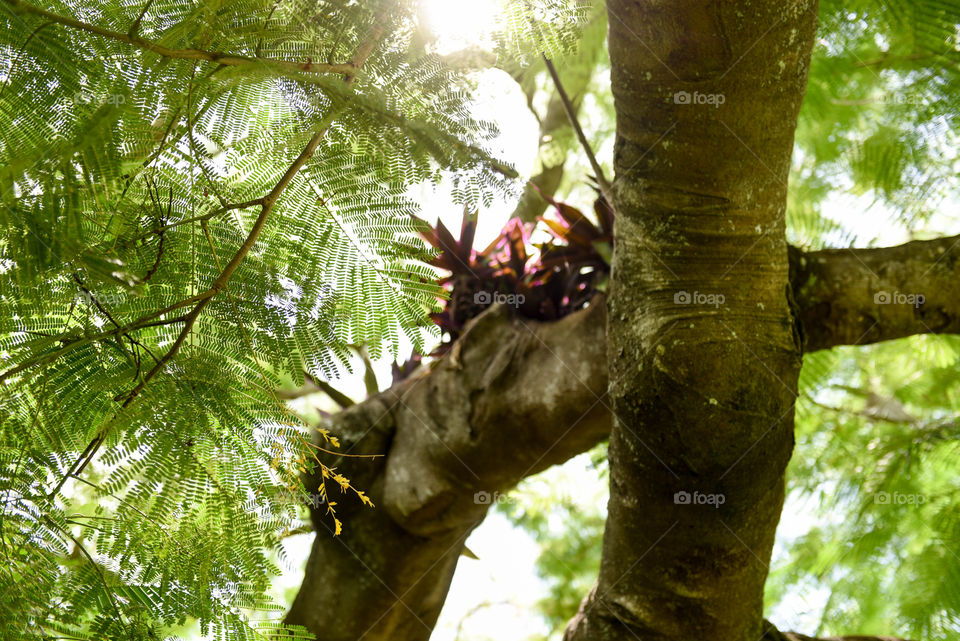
(575, 123)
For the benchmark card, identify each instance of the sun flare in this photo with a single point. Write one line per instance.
(460, 23)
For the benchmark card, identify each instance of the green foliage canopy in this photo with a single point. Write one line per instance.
(198, 202)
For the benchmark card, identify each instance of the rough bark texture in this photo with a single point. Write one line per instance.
(858, 296)
(511, 399)
(703, 349)
(772, 634)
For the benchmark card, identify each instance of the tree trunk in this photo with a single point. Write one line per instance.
(703, 343)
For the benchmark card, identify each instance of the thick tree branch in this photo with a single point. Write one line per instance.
(771, 633)
(793, 636)
(216, 57)
(512, 398)
(487, 414)
(495, 407)
(860, 296)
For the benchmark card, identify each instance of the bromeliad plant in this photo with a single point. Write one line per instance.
(546, 280)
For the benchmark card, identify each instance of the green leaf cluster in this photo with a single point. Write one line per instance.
(146, 463)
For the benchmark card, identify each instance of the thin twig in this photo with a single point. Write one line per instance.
(575, 123)
(96, 567)
(204, 217)
(363, 52)
(303, 529)
(266, 23)
(369, 374)
(336, 395)
(140, 323)
(191, 318)
(314, 385)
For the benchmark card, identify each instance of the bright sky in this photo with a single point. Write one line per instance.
(500, 100)
(460, 23)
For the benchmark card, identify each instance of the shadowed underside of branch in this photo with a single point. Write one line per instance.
(772, 634)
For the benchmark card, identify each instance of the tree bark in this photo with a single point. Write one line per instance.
(859, 296)
(772, 634)
(702, 344)
(512, 398)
